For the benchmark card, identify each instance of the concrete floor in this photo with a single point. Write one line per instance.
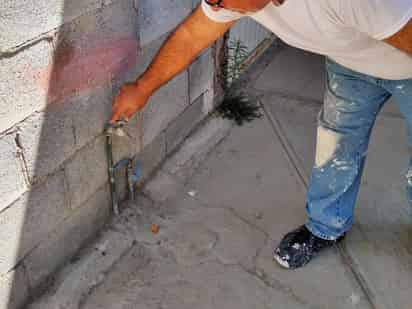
(218, 228)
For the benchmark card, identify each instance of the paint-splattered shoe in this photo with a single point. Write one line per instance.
(298, 247)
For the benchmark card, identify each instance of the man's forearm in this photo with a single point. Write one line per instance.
(172, 58)
(189, 39)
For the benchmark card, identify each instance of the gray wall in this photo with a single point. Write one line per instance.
(61, 62)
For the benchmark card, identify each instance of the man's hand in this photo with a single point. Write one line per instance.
(129, 100)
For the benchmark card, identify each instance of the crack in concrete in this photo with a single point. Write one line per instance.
(278, 286)
(246, 221)
(258, 274)
(359, 278)
(262, 277)
(258, 252)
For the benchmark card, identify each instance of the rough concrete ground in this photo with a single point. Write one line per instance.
(221, 212)
(214, 249)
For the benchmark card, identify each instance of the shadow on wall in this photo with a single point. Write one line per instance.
(69, 76)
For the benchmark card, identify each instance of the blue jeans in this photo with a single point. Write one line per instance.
(352, 102)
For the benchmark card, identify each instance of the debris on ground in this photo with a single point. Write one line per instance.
(192, 193)
(154, 228)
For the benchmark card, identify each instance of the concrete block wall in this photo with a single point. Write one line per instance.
(61, 62)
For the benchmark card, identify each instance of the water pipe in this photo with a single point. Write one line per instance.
(132, 173)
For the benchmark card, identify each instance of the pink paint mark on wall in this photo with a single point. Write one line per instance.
(74, 71)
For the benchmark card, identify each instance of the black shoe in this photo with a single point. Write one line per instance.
(298, 247)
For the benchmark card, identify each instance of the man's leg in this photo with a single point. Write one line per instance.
(402, 93)
(352, 102)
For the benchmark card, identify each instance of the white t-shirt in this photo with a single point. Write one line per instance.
(348, 31)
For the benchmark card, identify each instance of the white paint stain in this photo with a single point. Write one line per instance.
(281, 262)
(337, 222)
(326, 144)
(401, 88)
(355, 299)
(192, 193)
(340, 165)
(338, 162)
(409, 177)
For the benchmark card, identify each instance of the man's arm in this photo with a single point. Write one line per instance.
(189, 39)
(402, 39)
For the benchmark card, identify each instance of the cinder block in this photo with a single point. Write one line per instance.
(201, 75)
(90, 114)
(164, 106)
(14, 289)
(86, 172)
(24, 20)
(92, 49)
(12, 183)
(157, 17)
(152, 155)
(184, 124)
(30, 219)
(168, 102)
(23, 91)
(144, 57)
(73, 233)
(48, 140)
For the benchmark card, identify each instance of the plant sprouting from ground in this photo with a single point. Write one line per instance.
(237, 104)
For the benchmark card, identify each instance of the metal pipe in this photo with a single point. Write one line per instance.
(110, 168)
(132, 173)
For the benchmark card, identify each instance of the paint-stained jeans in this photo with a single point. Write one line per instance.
(352, 102)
